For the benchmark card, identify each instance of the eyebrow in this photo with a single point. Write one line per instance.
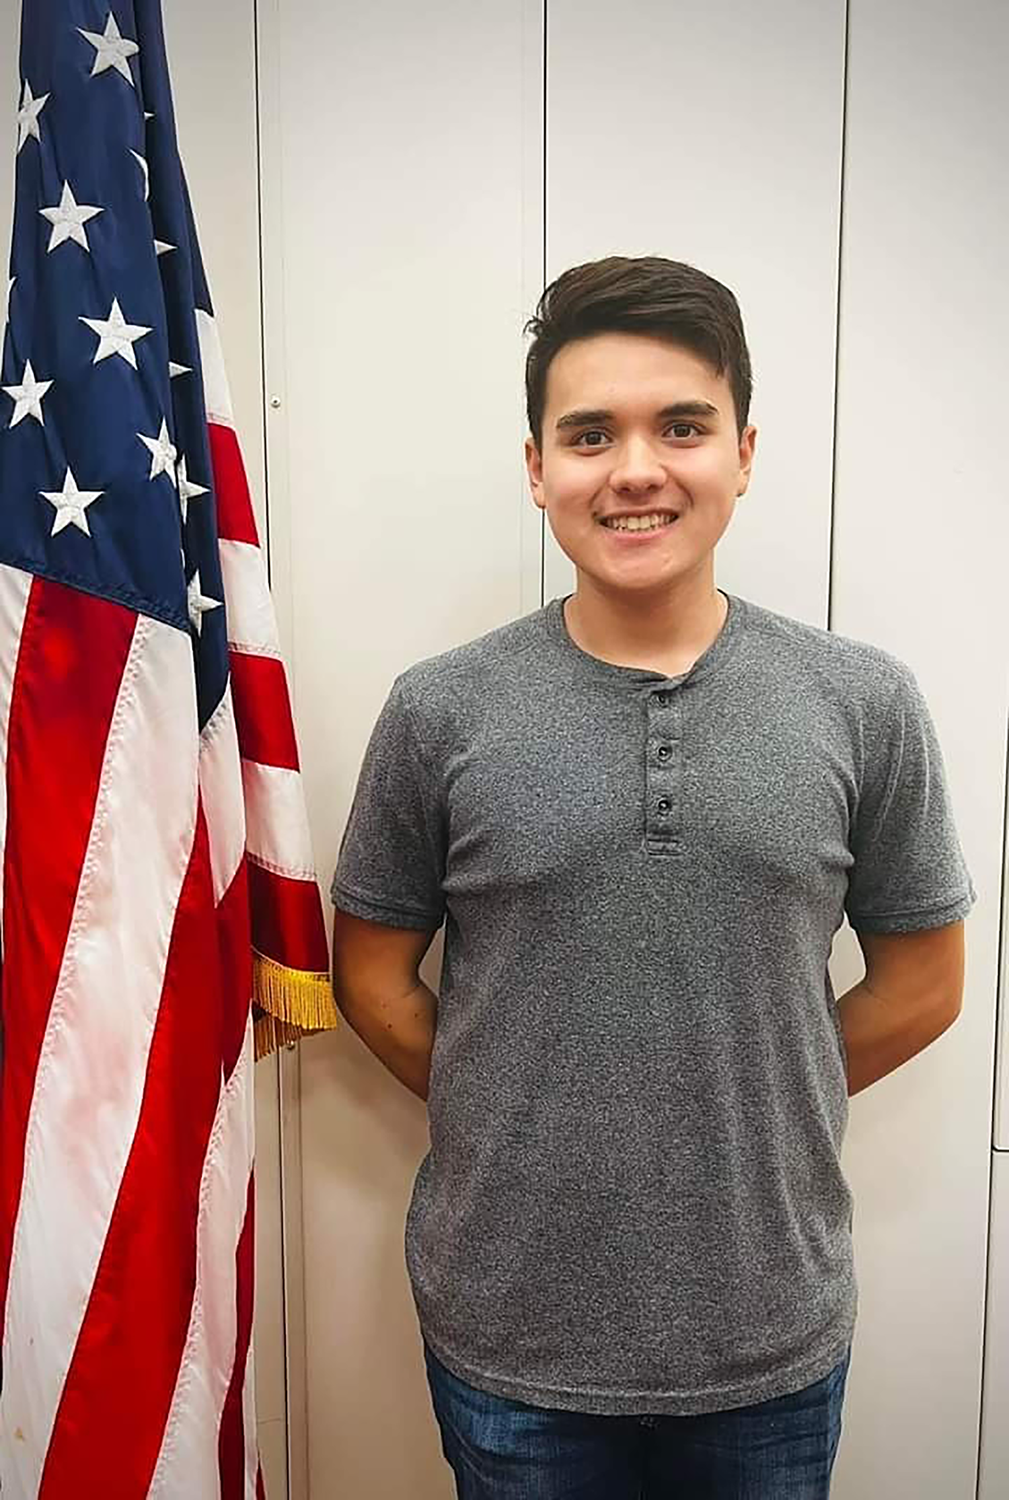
(667, 414)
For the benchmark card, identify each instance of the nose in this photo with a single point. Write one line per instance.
(637, 467)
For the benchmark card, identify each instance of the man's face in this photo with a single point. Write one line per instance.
(638, 459)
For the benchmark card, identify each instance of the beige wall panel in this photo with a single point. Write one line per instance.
(403, 252)
(921, 541)
(712, 135)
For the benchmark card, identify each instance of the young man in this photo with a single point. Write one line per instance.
(642, 812)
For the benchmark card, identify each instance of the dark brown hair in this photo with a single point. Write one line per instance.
(650, 295)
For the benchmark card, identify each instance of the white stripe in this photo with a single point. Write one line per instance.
(252, 623)
(15, 586)
(276, 820)
(188, 1462)
(90, 1078)
(221, 791)
(216, 394)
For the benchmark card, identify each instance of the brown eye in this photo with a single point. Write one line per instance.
(589, 432)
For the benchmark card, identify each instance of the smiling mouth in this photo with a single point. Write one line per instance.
(638, 530)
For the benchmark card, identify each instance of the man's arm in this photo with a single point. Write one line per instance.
(381, 996)
(912, 992)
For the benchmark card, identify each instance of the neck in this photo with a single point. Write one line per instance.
(667, 632)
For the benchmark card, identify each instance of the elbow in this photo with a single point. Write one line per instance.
(343, 997)
(953, 1012)
(944, 1016)
(357, 1003)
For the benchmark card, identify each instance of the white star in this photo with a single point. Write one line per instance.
(187, 489)
(115, 335)
(199, 603)
(163, 453)
(147, 178)
(27, 396)
(174, 369)
(28, 116)
(10, 285)
(70, 503)
(162, 247)
(68, 218)
(111, 49)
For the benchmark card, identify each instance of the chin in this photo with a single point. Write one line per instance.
(630, 580)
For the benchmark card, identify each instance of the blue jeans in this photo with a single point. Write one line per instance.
(498, 1449)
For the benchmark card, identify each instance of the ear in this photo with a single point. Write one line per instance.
(747, 448)
(534, 468)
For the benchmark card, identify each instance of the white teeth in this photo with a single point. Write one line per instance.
(640, 523)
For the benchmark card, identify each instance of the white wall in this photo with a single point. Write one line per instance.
(406, 239)
(920, 549)
(407, 189)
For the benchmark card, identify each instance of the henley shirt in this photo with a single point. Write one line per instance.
(633, 1200)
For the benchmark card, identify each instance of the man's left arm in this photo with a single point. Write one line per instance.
(912, 992)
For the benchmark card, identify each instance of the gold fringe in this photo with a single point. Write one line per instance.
(295, 1002)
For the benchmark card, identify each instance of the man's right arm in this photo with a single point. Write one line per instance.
(382, 997)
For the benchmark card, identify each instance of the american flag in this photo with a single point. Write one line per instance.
(157, 867)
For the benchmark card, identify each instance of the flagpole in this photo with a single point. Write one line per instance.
(291, 1208)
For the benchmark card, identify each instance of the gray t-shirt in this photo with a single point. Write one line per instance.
(633, 1201)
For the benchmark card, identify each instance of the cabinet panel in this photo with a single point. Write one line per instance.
(712, 134)
(921, 534)
(404, 216)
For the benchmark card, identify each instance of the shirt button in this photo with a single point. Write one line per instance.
(663, 804)
(663, 697)
(663, 752)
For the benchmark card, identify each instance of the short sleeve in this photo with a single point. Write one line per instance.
(909, 871)
(391, 863)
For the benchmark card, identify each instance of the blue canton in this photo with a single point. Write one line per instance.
(105, 471)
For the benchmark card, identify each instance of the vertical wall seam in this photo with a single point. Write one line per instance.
(837, 320)
(262, 285)
(998, 1063)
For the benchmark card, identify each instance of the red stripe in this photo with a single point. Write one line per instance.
(287, 920)
(231, 1438)
(263, 710)
(236, 965)
(110, 1422)
(72, 653)
(235, 520)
